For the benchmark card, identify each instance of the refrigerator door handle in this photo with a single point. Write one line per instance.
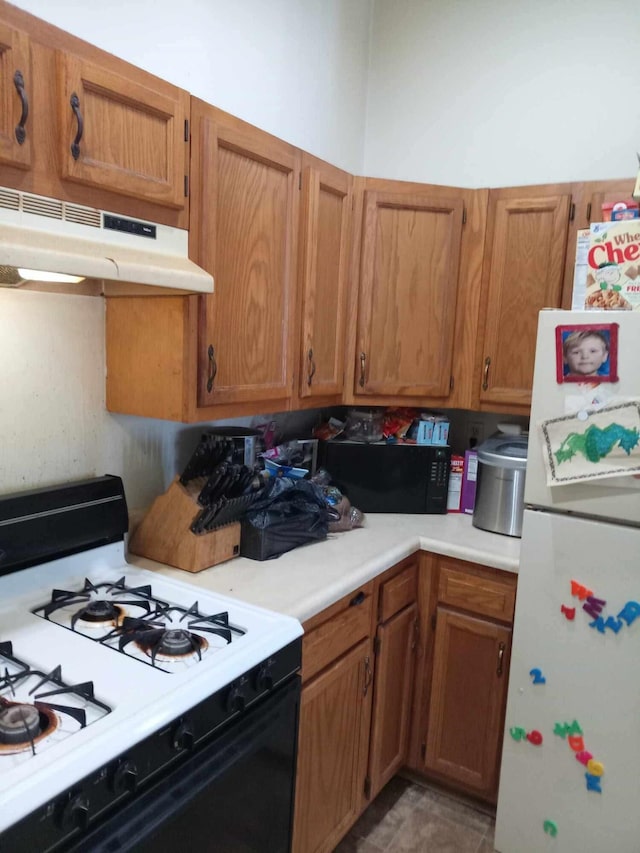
(501, 648)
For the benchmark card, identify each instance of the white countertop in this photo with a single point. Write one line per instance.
(304, 581)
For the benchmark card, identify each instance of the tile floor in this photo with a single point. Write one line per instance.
(410, 818)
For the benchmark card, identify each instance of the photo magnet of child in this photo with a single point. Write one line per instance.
(587, 353)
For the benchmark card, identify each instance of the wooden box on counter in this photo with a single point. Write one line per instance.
(164, 534)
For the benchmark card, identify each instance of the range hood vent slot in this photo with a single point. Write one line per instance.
(82, 215)
(9, 199)
(42, 206)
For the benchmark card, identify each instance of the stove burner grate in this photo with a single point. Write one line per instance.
(101, 603)
(162, 636)
(24, 723)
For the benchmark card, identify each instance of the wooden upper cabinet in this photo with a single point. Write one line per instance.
(468, 694)
(15, 91)
(409, 264)
(119, 135)
(325, 218)
(243, 232)
(523, 273)
(593, 194)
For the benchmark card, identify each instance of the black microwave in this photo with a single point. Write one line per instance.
(380, 477)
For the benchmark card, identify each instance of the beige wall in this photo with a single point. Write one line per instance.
(503, 92)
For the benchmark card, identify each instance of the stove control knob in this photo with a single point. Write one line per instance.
(264, 677)
(183, 736)
(236, 699)
(125, 777)
(75, 813)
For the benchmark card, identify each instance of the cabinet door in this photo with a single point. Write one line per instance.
(246, 213)
(408, 283)
(119, 135)
(468, 691)
(334, 730)
(15, 91)
(395, 654)
(324, 234)
(524, 271)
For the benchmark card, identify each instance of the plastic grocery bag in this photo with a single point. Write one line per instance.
(289, 513)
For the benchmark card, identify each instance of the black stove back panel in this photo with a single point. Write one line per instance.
(45, 524)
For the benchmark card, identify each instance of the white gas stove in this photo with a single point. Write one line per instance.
(97, 657)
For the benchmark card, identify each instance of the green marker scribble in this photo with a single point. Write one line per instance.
(596, 443)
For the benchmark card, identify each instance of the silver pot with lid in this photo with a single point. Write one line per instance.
(502, 464)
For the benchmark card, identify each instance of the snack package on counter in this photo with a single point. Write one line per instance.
(329, 430)
(343, 516)
(397, 423)
(322, 477)
(433, 429)
(268, 433)
(364, 425)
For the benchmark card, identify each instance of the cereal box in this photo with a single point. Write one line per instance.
(613, 266)
(469, 480)
(455, 484)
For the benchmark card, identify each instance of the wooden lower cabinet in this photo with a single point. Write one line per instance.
(466, 612)
(332, 748)
(408, 671)
(468, 696)
(395, 654)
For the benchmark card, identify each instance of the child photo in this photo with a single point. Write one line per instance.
(587, 353)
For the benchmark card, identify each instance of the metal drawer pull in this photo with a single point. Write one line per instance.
(368, 675)
(213, 367)
(485, 380)
(75, 145)
(501, 649)
(18, 82)
(357, 599)
(363, 361)
(312, 367)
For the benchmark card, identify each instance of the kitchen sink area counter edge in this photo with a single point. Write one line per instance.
(303, 582)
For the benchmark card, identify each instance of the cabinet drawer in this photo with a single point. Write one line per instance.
(332, 638)
(480, 595)
(398, 592)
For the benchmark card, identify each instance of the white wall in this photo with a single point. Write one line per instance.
(296, 68)
(503, 92)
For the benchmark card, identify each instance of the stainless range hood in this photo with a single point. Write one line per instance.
(120, 254)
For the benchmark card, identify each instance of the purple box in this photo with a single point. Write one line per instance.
(469, 478)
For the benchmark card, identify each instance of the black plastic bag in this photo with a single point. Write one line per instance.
(289, 513)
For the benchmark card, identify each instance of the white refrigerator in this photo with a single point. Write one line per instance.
(570, 776)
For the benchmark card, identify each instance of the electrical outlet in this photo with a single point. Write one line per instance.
(476, 433)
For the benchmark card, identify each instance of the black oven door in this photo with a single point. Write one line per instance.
(234, 795)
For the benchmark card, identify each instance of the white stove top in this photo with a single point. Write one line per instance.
(142, 694)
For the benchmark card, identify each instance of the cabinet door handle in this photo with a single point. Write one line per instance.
(363, 362)
(213, 367)
(416, 634)
(312, 367)
(501, 648)
(485, 378)
(368, 675)
(75, 145)
(18, 82)
(357, 599)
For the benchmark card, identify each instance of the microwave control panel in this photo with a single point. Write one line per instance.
(439, 473)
